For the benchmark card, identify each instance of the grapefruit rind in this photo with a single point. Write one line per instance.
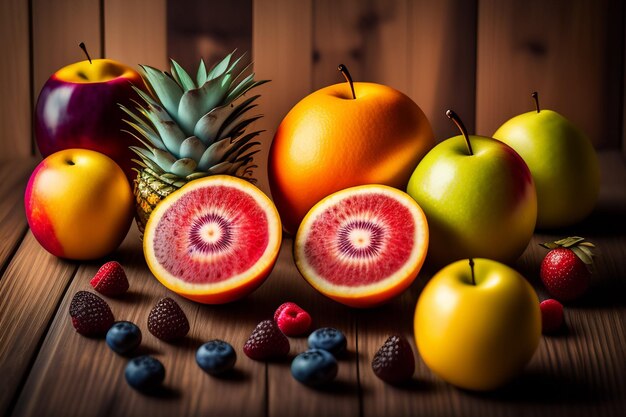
(236, 286)
(371, 294)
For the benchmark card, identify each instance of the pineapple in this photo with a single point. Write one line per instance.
(191, 129)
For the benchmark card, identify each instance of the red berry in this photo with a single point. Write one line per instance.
(566, 269)
(91, 315)
(167, 320)
(394, 362)
(292, 320)
(564, 275)
(110, 280)
(266, 342)
(551, 316)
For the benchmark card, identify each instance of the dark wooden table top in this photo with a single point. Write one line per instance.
(46, 368)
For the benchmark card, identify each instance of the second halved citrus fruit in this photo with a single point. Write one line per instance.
(363, 245)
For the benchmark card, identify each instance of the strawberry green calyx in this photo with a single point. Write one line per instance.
(581, 248)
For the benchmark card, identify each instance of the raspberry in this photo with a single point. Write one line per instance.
(91, 315)
(292, 320)
(551, 316)
(394, 362)
(110, 280)
(266, 342)
(168, 321)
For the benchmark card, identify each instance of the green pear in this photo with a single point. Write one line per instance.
(479, 199)
(563, 163)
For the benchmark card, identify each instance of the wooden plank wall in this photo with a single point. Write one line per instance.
(41, 36)
(480, 57)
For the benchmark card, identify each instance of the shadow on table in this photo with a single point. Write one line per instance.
(603, 222)
(544, 388)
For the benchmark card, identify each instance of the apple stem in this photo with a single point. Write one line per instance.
(84, 48)
(459, 123)
(535, 96)
(471, 264)
(344, 70)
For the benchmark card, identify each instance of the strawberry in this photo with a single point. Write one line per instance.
(91, 315)
(110, 280)
(566, 269)
(266, 342)
(291, 319)
(394, 362)
(167, 320)
(551, 316)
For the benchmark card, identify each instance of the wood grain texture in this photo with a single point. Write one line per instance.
(565, 50)
(134, 40)
(281, 50)
(341, 398)
(31, 288)
(623, 132)
(13, 225)
(442, 61)
(369, 37)
(575, 373)
(58, 28)
(207, 29)
(94, 376)
(15, 110)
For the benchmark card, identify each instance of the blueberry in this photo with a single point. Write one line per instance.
(314, 367)
(329, 339)
(144, 373)
(123, 337)
(216, 357)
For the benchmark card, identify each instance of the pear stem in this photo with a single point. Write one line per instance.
(471, 264)
(344, 70)
(84, 48)
(535, 96)
(459, 123)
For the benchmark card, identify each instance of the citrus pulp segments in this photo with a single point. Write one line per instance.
(214, 240)
(373, 238)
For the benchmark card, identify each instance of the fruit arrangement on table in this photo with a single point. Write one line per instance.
(175, 152)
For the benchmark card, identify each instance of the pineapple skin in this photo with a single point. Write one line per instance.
(149, 190)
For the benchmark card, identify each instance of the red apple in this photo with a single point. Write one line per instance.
(78, 108)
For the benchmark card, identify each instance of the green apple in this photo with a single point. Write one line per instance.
(478, 196)
(562, 161)
(477, 324)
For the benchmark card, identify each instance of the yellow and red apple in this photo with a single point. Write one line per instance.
(78, 108)
(342, 136)
(79, 204)
(477, 325)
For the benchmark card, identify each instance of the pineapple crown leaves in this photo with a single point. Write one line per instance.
(581, 248)
(191, 128)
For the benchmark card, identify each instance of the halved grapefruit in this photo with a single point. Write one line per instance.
(363, 245)
(213, 241)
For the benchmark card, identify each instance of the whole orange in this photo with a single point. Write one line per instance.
(330, 141)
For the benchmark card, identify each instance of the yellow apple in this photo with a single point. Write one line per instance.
(79, 204)
(476, 326)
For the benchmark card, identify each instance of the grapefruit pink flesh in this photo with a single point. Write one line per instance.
(363, 245)
(214, 240)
